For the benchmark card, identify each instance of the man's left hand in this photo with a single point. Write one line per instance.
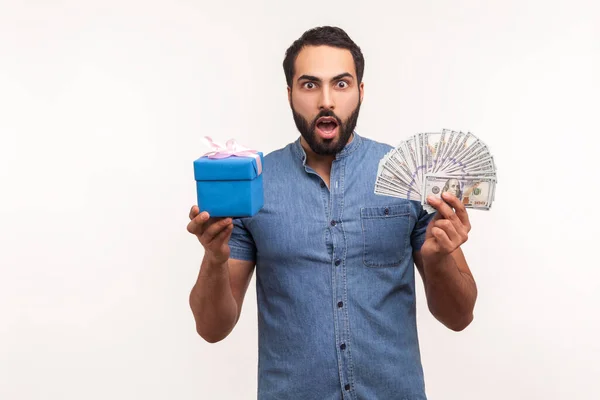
(448, 230)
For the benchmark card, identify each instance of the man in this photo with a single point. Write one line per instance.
(334, 261)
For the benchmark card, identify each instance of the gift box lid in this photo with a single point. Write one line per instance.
(226, 169)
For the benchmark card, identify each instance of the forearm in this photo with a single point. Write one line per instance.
(451, 294)
(211, 300)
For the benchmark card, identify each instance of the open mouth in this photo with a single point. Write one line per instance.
(327, 127)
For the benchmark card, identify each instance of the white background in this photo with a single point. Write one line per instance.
(102, 108)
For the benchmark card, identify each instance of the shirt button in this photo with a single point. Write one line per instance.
(386, 211)
(322, 184)
(338, 262)
(347, 387)
(333, 223)
(343, 346)
(340, 304)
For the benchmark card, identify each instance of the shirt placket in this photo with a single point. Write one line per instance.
(339, 281)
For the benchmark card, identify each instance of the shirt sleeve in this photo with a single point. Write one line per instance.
(241, 242)
(417, 237)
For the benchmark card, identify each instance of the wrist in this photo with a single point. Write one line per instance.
(215, 259)
(213, 265)
(436, 260)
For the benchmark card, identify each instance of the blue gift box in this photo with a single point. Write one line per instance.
(229, 187)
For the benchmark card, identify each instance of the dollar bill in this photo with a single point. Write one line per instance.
(473, 191)
(450, 157)
(406, 170)
(450, 136)
(430, 146)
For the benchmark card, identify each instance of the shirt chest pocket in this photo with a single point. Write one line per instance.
(385, 231)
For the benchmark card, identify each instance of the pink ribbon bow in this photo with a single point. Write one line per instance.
(231, 148)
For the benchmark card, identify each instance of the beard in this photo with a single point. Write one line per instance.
(326, 147)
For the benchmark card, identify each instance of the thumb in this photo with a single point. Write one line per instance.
(223, 237)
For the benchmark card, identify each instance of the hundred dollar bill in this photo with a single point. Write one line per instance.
(440, 150)
(453, 140)
(456, 156)
(447, 141)
(392, 179)
(473, 191)
(485, 163)
(397, 166)
(411, 150)
(430, 146)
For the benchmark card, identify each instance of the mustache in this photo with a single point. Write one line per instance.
(325, 113)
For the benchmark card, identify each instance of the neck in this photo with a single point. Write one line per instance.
(315, 160)
(318, 161)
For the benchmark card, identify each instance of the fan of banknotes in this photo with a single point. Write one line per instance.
(433, 163)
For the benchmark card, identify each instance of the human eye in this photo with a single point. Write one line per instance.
(309, 85)
(342, 84)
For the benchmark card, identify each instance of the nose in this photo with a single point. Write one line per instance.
(326, 101)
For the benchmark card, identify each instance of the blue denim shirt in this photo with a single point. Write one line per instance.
(335, 279)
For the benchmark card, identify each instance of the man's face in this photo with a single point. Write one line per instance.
(453, 187)
(325, 97)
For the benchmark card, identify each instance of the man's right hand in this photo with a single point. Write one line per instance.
(213, 234)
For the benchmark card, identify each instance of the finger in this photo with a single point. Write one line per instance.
(442, 207)
(458, 227)
(432, 200)
(194, 226)
(213, 229)
(200, 223)
(450, 230)
(442, 239)
(459, 208)
(194, 211)
(223, 236)
(197, 224)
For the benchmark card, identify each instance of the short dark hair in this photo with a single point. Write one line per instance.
(323, 35)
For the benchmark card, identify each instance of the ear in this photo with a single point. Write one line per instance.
(362, 91)
(289, 92)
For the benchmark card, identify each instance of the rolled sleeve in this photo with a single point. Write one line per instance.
(241, 242)
(417, 237)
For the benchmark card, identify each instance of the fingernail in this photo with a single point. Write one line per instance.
(430, 199)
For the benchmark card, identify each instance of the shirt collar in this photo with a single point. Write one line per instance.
(346, 151)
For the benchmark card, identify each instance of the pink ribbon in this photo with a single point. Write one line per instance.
(231, 148)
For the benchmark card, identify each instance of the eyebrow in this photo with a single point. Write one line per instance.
(335, 78)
